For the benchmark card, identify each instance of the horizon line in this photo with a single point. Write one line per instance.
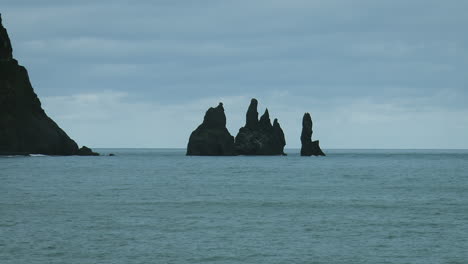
(181, 148)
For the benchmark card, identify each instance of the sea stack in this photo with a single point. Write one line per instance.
(309, 147)
(259, 137)
(24, 126)
(212, 138)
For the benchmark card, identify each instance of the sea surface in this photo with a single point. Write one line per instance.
(159, 206)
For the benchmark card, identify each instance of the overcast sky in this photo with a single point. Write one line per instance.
(373, 74)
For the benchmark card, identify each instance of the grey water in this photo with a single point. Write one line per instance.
(159, 206)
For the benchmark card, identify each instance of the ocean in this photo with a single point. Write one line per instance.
(160, 206)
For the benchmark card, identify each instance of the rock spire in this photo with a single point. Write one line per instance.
(309, 147)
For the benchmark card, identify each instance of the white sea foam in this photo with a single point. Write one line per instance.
(10, 156)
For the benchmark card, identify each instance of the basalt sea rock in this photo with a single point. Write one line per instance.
(309, 147)
(259, 137)
(24, 126)
(212, 138)
(85, 151)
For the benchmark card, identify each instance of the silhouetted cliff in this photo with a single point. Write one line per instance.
(24, 126)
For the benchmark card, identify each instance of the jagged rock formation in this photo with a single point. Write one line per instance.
(259, 137)
(309, 147)
(212, 138)
(24, 126)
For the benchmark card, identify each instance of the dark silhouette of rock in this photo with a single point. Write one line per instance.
(212, 138)
(6, 51)
(259, 137)
(85, 151)
(252, 115)
(24, 126)
(309, 147)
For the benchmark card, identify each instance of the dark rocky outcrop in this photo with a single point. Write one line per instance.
(212, 138)
(309, 147)
(259, 137)
(6, 51)
(24, 126)
(85, 151)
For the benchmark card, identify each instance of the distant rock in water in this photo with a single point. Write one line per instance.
(85, 151)
(259, 137)
(212, 138)
(24, 126)
(309, 147)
